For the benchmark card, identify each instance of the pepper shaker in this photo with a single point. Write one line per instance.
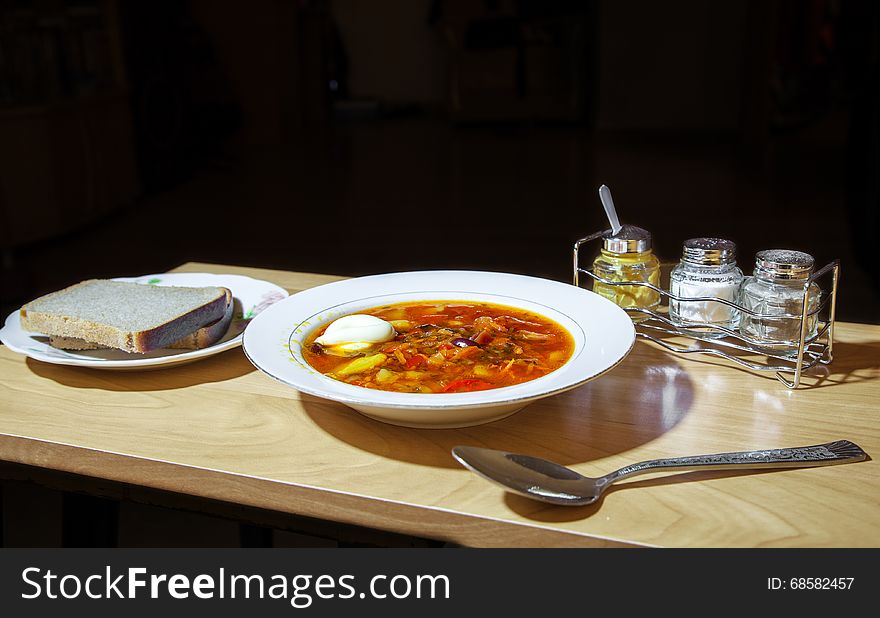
(779, 287)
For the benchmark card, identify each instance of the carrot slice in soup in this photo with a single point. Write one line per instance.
(466, 385)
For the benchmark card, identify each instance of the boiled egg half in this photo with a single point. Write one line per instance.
(355, 333)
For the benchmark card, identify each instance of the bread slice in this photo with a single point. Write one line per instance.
(202, 338)
(128, 316)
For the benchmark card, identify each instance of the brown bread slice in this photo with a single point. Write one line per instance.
(127, 316)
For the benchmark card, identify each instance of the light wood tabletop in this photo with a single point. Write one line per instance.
(220, 429)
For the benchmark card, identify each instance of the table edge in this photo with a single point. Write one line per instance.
(293, 498)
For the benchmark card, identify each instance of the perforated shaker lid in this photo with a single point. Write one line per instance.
(784, 263)
(708, 251)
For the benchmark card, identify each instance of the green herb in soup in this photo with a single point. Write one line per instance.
(445, 347)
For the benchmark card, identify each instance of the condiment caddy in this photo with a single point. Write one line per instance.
(783, 313)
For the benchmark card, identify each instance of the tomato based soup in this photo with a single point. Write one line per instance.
(448, 347)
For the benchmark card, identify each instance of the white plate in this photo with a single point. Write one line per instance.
(603, 335)
(251, 296)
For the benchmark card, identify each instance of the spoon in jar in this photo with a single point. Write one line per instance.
(610, 211)
(544, 480)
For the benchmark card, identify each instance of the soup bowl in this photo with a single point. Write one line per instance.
(602, 332)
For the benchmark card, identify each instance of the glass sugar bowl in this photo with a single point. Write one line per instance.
(628, 256)
(707, 269)
(779, 288)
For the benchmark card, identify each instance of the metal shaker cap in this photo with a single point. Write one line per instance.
(629, 239)
(708, 251)
(783, 264)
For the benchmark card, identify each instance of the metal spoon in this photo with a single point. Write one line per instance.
(610, 211)
(544, 480)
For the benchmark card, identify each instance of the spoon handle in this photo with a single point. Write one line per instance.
(841, 451)
(610, 211)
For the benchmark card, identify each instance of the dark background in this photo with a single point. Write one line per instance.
(355, 137)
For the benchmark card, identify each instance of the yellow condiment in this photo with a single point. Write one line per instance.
(627, 256)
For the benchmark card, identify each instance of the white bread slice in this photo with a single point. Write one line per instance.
(202, 338)
(127, 316)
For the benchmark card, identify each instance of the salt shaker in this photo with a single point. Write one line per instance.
(707, 269)
(628, 256)
(778, 288)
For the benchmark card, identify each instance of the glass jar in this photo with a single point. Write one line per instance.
(777, 288)
(707, 268)
(627, 256)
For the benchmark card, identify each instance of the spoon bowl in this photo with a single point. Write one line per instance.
(546, 481)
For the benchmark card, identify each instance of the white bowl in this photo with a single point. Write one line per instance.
(603, 335)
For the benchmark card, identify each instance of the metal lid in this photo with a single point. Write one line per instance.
(783, 264)
(629, 239)
(708, 251)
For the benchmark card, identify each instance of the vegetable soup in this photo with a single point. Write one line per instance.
(447, 347)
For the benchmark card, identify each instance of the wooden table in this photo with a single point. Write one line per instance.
(220, 429)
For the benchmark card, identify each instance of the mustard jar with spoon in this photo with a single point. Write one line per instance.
(626, 255)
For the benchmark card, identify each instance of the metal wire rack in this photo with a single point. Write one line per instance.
(709, 339)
